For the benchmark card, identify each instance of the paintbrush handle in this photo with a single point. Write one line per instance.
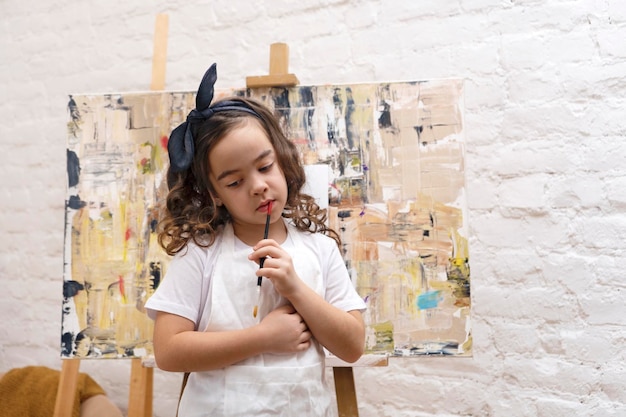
(259, 279)
(265, 234)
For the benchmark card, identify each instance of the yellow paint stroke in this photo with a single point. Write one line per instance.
(382, 338)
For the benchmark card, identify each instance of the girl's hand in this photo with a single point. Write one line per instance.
(285, 331)
(277, 267)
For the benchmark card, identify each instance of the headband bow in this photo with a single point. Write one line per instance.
(180, 146)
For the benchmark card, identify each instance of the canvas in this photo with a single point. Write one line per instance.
(395, 188)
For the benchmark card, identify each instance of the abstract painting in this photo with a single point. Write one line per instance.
(395, 184)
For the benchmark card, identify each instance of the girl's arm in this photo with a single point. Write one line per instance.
(178, 348)
(341, 332)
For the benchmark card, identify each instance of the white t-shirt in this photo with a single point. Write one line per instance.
(185, 289)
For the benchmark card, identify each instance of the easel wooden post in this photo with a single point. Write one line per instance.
(344, 380)
(345, 391)
(140, 390)
(66, 391)
(141, 377)
(279, 70)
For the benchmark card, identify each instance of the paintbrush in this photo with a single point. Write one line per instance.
(260, 278)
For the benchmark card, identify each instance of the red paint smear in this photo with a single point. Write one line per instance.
(128, 233)
(164, 140)
(120, 280)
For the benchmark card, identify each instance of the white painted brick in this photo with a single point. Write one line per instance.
(547, 407)
(532, 86)
(576, 273)
(285, 8)
(513, 233)
(523, 192)
(600, 232)
(479, 58)
(589, 345)
(613, 383)
(481, 193)
(525, 122)
(424, 64)
(517, 338)
(480, 6)
(604, 306)
(551, 373)
(577, 190)
(523, 52)
(611, 42)
(482, 92)
(511, 402)
(608, 121)
(570, 47)
(608, 269)
(483, 127)
(335, 50)
(365, 16)
(616, 11)
(595, 80)
(403, 11)
(606, 155)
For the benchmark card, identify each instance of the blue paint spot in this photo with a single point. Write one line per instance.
(429, 299)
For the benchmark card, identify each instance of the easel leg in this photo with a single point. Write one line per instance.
(159, 57)
(140, 392)
(149, 389)
(141, 377)
(66, 390)
(346, 394)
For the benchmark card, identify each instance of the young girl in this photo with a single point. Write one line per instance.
(231, 167)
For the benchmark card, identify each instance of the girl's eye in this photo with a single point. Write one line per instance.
(233, 184)
(266, 167)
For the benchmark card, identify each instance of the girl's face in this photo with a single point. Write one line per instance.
(245, 176)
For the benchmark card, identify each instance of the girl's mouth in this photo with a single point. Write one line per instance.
(265, 208)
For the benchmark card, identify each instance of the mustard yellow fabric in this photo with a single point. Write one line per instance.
(31, 392)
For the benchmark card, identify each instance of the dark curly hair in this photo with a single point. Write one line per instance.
(191, 213)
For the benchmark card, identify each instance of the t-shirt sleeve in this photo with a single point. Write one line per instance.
(184, 288)
(340, 290)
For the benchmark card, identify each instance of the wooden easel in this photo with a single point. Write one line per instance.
(141, 377)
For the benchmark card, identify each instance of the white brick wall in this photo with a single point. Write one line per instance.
(546, 150)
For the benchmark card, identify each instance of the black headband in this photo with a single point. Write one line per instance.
(180, 146)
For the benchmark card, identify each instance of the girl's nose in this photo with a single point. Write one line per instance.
(259, 185)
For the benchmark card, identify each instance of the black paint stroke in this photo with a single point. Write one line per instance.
(308, 104)
(75, 203)
(350, 126)
(73, 168)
